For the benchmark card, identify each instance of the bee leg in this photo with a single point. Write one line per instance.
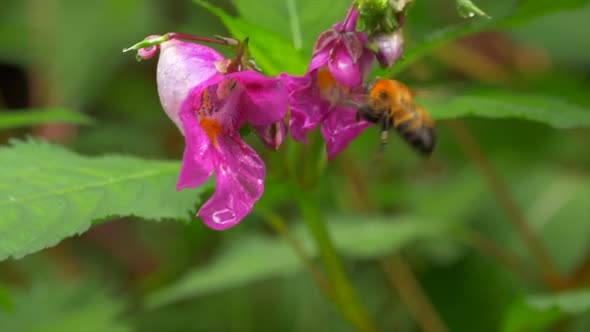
(385, 126)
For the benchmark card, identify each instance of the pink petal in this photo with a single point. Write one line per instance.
(340, 127)
(181, 67)
(343, 68)
(265, 100)
(320, 59)
(196, 169)
(239, 183)
(307, 108)
(197, 164)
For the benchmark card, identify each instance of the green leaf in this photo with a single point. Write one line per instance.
(535, 313)
(272, 52)
(529, 10)
(526, 11)
(495, 104)
(6, 302)
(298, 20)
(255, 257)
(48, 193)
(467, 9)
(65, 307)
(24, 118)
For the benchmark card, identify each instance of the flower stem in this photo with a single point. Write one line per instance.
(413, 295)
(149, 42)
(496, 252)
(399, 274)
(218, 40)
(552, 277)
(279, 225)
(346, 298)
(295, 25)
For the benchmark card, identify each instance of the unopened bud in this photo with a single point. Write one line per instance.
(389, 47)
(272, 135)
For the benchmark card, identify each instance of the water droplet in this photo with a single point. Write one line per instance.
(471, 14)
(225, 216)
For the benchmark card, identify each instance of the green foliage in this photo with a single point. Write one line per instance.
(496, 104)
(70, 42)
(467, 9)
(255, 257)
(68, 307)
(272, 52)
(306, 18)
(440, 215)
(6, 303)
(49, 193)
(527, 11)
(535, 313)
(24, 118)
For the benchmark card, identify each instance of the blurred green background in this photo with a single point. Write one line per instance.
(411, 232)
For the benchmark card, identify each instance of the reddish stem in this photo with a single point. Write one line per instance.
(219, 41)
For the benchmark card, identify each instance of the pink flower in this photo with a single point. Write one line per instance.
(340, 63)
(209, 105)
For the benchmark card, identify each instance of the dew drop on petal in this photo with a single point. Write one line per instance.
(224, 216)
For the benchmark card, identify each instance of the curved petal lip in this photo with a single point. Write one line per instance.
(239, 184)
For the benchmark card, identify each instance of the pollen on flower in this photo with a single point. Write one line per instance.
(212, 128)
(206, 102)
(330, 90)
(326, 81)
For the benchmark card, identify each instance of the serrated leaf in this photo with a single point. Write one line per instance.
(535, 313)
(526, 11)
(494, 104)
(30, 117)
(255, 257)
(272, 52)
(48, 193)
(53, 306)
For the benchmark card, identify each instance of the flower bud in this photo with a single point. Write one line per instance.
(272, 135)
(389, 47)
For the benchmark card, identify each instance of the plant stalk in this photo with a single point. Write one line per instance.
(401, 276)
(551, 276)
(346, 299)
(279, 225)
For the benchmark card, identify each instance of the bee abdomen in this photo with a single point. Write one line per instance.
(421, 138)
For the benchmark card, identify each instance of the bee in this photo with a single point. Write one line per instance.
(391, 104)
